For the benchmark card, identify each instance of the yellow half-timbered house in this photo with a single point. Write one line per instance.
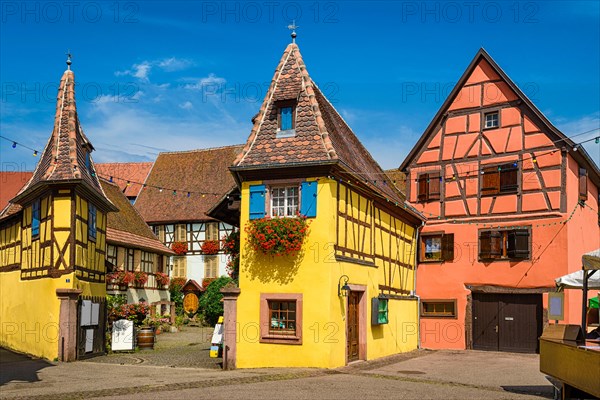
(52, 247)
(348, 294)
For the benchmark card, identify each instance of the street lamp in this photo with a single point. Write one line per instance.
(344, 289)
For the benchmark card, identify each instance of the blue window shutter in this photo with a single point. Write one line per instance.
(35, 218)
(257, 201)
(308, 202)
(286, 118)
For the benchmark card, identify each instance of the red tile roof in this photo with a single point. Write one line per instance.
(203, 173)
(124, 172)
(321, 134)
(10, 184)
(64, 157)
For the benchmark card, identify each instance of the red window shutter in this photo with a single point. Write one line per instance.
(422, 191)
(582, 184)
(490, 182)
(448, 247)
(434, 186)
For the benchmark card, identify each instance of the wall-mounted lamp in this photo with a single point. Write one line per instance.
(344, 289)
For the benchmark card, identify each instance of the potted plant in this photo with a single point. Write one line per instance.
(277, 236)
(140, 278)
(121, 278)
(162, 279)
(210, 247)
(180, 248)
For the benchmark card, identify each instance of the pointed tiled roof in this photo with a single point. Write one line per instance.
(493, 70)
(321, 134)
(64, 157)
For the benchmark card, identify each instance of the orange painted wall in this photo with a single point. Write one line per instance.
(461, 148)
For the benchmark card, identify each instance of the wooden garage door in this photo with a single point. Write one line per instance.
(507, 322)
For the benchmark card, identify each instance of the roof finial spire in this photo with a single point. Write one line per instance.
(293, 28)
(69, 62)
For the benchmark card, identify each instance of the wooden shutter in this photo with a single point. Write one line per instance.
(490, 245)
(257, 201)
(422, 190)
(434, 186)
(212, 231)
(308, 201)
(583, 184)
(518, 244)
(211, 266)
(508, 178)
(448, 247)
(490, 182)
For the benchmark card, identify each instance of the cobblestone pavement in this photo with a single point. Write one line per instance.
(180, 368)
(188, 348)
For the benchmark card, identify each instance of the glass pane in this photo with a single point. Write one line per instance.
(433, 248)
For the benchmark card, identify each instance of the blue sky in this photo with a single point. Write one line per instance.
(157, 76)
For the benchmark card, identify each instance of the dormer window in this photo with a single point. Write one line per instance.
(491, 120)
(286, 119)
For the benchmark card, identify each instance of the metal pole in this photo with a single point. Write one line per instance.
(584, 305)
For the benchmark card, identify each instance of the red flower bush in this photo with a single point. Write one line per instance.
(180, 248)
(121, 278)
(176, 284)
(162, 279)
(210, 247)
(231, 247)
(134, 312)
(140, 278)
(207, 281)
(277, 236)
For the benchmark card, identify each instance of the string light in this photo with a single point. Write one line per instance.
(14, 145)
(35, 153)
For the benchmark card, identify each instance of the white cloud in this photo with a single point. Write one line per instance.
(174, 64)
(210, 80)
(186, 106)
(142, 70)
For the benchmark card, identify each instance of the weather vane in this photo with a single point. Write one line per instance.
(69, 62)
(293, 28)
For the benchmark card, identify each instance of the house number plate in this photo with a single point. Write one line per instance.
(508, 318)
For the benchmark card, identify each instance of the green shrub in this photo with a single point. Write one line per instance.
(210, 302)
(175, 287)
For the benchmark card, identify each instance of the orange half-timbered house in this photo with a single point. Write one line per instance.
(511, 203)
(52, 247)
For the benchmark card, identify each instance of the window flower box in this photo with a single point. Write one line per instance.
(180, 248)
(277, 236)
(162, 279)
(210, 247)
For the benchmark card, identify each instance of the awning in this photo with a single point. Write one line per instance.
(591, 260)
(575, 281)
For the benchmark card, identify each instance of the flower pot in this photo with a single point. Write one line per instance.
(145, 338)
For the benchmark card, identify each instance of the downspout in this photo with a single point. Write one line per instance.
(415, 287)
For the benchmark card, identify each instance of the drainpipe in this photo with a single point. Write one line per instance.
(415, 288)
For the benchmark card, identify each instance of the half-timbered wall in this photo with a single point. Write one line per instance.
(463, 150)
(36, 254)
(10, 246)
(366, 234)
(90, 253)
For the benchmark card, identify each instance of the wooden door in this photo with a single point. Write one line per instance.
(353, 326)
(520, 318)
(507, 322)
(485, 321)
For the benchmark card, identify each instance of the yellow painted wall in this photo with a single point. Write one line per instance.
(30, 310)
(28, 319)
(315, 273)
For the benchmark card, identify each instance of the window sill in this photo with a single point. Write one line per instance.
(440, 316)
(489, 260)
(432, 261)
(490, 127)
(281, 339)
(288, 133)
(499, 193)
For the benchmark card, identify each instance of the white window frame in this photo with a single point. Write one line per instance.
(496, 120)
(286, 197)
